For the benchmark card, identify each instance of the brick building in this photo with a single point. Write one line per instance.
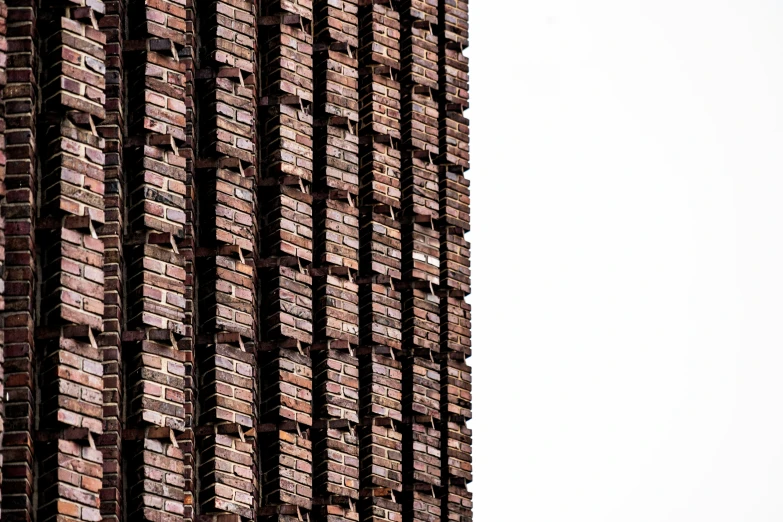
(234, 260)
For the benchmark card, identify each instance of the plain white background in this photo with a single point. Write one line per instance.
(628, 260)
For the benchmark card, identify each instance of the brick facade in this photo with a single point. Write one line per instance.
(233, 261)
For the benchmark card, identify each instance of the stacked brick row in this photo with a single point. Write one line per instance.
(453, 224)
(155, 354)
(20, 97)
(286, 200)
(226, 177)
(111, 233)
(336, 260)
(380, 370)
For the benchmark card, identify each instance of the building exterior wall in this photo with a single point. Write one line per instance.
(234, 260)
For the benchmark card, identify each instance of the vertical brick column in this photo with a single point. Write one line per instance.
(421, 260)
(453, 224)
(336, 262)
(286, 44)
(72, 301)
(227, 385)
(112, 130)
(380, 262)
(189, 55)
(3, 81)
(226, 258)
(21, 98)
(156, 348)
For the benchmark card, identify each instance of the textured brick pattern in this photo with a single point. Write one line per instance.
(234, 261)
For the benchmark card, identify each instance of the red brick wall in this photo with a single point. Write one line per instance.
(234, 261)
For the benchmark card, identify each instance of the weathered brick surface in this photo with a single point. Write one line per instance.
(156, 393)
(71, 385)
(421, 507)
(155, 470)
(455, 262)
(288, 135)
(227, 385)
(287, 391)
(421, 254)
(20, 97)
(288, 472)
(228, 295)
(421, 322)
(337, 21)
(422, 455)
(381, 241)
(228, 122)
(420, 190)
(69, 481)
(336, 477)
(112, 130)
(381, 460)
(288, 311)
(233, 198)
(381, 388)
(226, 475)
(337, 386)
(234, 261)
(381, 187)
(457, 505)
(454, 200)
(337, 158)
(337, 311)
(454, 16)
(288, 224)
(227, 276)
(71, 266)
(156, 288)
(337, 239)
(381, 317)
(230, 39)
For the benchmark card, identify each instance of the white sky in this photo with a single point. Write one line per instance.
(627, 339)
